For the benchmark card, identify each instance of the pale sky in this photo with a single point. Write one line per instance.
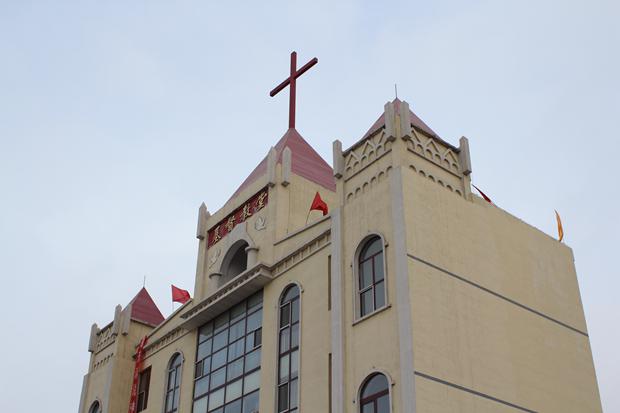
(118, 118)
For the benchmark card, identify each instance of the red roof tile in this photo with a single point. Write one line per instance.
(144, 309)
(306, 162)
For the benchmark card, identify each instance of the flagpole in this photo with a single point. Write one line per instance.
(308, 216)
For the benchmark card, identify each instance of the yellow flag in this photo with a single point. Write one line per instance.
(560, 229)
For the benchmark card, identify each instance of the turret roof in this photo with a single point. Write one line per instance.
(415, 121)
(305, 162)
(144, 309)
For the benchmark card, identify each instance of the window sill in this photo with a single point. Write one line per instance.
(367, 316)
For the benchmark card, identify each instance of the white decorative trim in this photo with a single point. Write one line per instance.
(337, 316)
(435, 151)
(354, 265)
(166, 383)
(403, 300)
(260, 223)
(424, 174)
(301, 254)
(277, 347)
(215, 257)
(369, 184)
(391, 383)
(366, 152)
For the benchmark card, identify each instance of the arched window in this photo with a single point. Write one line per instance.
(173, 388)
(95, 407)
(288, 365)
(371, 276)
(375, 395)
(235, 262)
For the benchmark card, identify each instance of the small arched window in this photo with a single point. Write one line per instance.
(173, 386)
(375, 395)
(371, 276)
(235, 262)
(288, 349)
(95, 407)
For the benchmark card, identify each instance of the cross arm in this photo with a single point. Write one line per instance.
(280, 87)
(300, 72)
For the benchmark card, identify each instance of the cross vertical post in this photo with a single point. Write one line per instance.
(292, 82)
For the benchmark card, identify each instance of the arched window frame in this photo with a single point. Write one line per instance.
(357, 273)
(291, 406)
(175, 390)
(95, 407)
(232, 251)
(361, 401)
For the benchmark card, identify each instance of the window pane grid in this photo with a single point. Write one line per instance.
(288, 349)
(374, 396)
(371, 278)
(232, 364)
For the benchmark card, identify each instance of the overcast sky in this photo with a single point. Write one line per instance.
(118, 118)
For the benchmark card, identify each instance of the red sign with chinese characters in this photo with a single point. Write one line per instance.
(240, 215)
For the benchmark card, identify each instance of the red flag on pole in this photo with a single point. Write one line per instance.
(179, 295)
(319, 205)
(486, 198)
(133, 399)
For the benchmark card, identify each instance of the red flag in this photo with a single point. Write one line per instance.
(133, 399)
(319, 205)
(486, 198)
(180, 296)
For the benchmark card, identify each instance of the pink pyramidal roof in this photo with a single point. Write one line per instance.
(144, 309)
(305, 162)
(415, 121)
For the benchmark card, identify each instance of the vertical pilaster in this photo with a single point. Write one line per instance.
(287, 164)
(338, 159)
(202, 233)
(337, 313)
(272, 159)
(403, 300)
(465, 161)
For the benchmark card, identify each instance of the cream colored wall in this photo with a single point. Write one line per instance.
(471, 338)
(111, 371)
(436, 397)
(311, 276)
(159, 362)
(373, 343)
(492, 248)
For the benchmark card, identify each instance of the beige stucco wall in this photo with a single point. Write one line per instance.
(371, 344)
(472, 338)
(311, 276)
(159, 362)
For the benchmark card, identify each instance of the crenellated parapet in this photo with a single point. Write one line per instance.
(367, 151)
(434, 150)
(104, 338)
(412, 144)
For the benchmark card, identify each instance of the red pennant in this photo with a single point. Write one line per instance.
(319, 205)
(179, 295)
(486, 198)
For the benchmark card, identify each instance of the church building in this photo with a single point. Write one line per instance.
(400, 292)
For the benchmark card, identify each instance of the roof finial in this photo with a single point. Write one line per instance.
(396, 90)
(144, 282)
